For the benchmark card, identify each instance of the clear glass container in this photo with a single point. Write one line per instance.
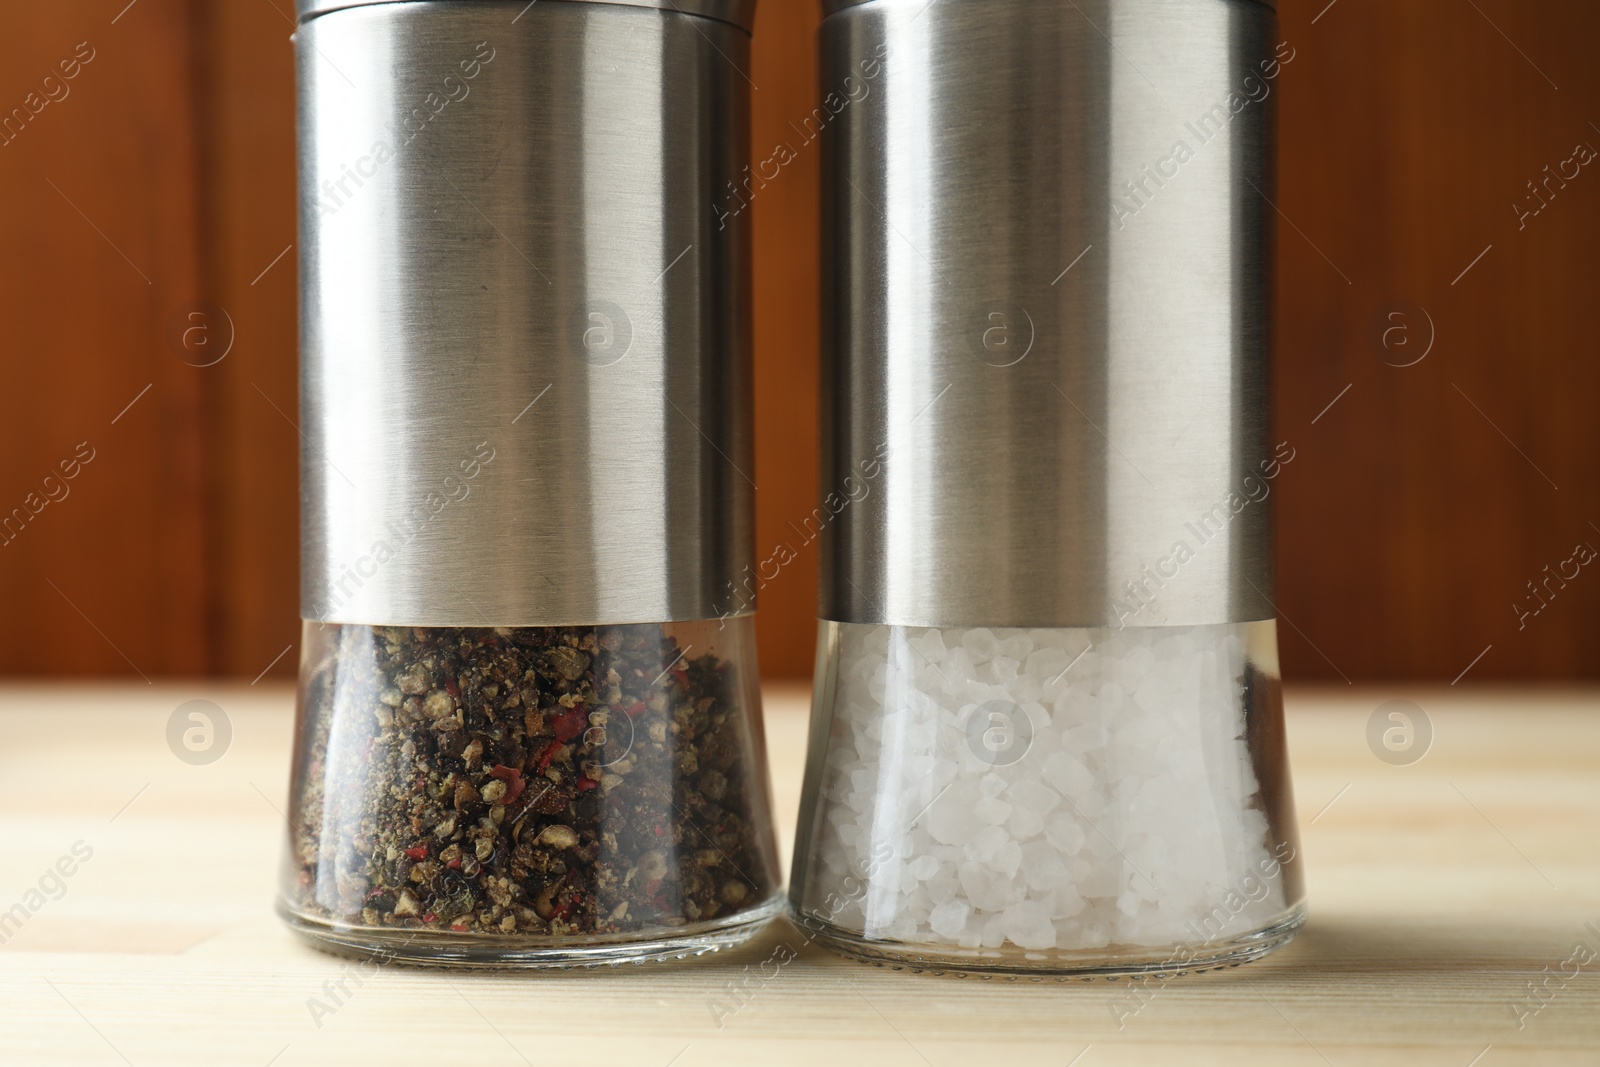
(1048, 802)
(534, 796)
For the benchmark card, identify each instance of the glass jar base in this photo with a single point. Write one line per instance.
(437, 948)
(1013, 964)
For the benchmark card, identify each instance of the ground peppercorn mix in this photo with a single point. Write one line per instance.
(465, 794)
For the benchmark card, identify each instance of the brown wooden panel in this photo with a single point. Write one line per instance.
(98, 242)
(1419, 506)
(1425, 499)
(247, 141)
(787, 280)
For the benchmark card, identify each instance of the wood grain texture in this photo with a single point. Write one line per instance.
(1423, 502)
(99, 243)
(1419, 507)
(786, 215)
(1438, 892)
(246, 119)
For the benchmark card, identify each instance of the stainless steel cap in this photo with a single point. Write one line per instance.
(525, 315)
(741, 13)
(1047, 313)
(831, 6)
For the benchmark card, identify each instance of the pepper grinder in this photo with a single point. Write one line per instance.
(529, 723)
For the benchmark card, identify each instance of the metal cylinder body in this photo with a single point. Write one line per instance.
(525, 393)
(1047, 312)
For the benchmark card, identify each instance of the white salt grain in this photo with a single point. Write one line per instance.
(1028, 925)
(980, 645)
(992, 810)
(948, 920)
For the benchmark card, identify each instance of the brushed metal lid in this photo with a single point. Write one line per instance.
(1047, 315)
(525, 358)
(741, 13)
(831, 7)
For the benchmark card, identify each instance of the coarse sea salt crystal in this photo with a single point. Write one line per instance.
(980, 645)
(949, 919)
(1028, 925)
(1131, 817)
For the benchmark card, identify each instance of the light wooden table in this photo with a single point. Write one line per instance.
(1439, 891)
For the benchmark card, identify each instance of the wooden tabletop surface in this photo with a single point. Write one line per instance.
(1455, 902)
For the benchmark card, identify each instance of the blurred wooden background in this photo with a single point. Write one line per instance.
(1422, 503)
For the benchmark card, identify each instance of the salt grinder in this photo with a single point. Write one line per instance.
(1048, 734)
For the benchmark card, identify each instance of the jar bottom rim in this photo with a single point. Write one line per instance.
(441, 948)
(1085, 964)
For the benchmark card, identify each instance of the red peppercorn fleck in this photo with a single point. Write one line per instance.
(547, 755)
(570, 725)
(512, 777)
